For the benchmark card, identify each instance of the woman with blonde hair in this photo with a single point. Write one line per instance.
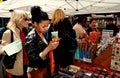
(58, 15)
(17, 22)
(64, 53)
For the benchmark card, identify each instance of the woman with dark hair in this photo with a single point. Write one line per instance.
(92, 26)
(37, 45)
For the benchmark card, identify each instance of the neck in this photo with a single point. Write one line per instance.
(40, 34)
(19, 28)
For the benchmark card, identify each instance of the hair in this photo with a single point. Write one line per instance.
(91, 20)
(110, 19)
(58, 15)
(81, 19)
(16, 18)
(38, 15)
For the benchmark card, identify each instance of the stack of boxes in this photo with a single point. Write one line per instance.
(115, 59)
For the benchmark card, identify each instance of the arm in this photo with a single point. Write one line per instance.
(38, 52)
(5, 40)
(32, 50)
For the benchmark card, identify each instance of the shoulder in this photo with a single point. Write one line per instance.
(6, 37)
(76, 26)
(31, 32)
(30, 38)
(7, 33)
(66, 20)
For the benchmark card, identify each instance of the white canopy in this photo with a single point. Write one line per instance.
(70, 7)
(4, 13)
(3, 5)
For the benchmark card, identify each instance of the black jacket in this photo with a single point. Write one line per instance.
(114, 28)
(62, 53)
(34, 45)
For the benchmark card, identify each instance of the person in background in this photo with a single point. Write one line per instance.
(79, 28)
(92, 26)
(18, 21)
(2, 29)
(112, 26)
(63, 54)
(37, 46)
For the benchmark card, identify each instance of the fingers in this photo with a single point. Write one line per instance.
(53, 44)
(57, 39)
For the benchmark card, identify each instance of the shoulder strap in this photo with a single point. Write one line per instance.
(11, 35)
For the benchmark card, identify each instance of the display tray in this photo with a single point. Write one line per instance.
(83, 73)
(102, 61)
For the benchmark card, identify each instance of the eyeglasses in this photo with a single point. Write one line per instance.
(26, 19)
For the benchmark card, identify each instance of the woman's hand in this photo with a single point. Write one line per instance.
(83, 35)
(53, 44)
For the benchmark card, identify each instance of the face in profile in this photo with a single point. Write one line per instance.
(42, 26)
(25, 22)
(93, 24)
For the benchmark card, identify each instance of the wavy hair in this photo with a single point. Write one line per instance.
(16, 18)
(58, 15)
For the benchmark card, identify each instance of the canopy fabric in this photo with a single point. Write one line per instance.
(5, 14)
(3, 5)
(70, 7)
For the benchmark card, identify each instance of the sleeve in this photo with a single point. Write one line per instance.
(5, 40)
(77, 31)
(32, 51)
(6, 37)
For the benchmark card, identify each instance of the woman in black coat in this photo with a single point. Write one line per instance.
(64, 53)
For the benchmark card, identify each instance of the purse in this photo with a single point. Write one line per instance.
(8, 61)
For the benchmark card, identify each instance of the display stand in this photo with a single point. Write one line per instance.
(104, 59)
(85, 52)
(87, 48)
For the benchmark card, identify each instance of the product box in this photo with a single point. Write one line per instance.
(115, 58)
(69, 72)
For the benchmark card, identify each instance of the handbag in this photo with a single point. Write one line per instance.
(8, 61)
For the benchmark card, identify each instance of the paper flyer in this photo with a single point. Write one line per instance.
(13, 47)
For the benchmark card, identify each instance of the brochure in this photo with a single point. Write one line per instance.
(13, 47)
